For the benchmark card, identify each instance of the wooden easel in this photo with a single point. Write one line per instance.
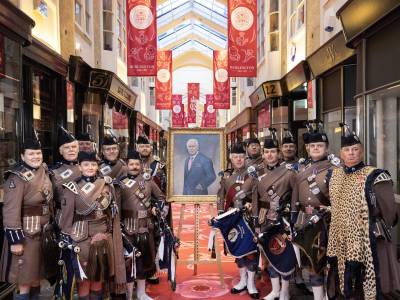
(196, 259)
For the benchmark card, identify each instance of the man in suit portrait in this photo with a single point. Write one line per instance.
(199, 171)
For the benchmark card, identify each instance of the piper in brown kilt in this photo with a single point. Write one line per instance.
(27, 193)
(135, 192)
(89, 218)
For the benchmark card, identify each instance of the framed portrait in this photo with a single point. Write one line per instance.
(195, 157)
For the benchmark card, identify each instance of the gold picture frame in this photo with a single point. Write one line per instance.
(210, 140)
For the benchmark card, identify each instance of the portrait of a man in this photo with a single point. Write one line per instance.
(196, 156)
(199, 171)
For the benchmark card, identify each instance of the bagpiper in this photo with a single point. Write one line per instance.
(111, 165)
(289, 148)
(271, 193)
(85, 141)
(27, 196)
(136, 192)
(254, 157)
(227, 197)
(66, 169)
(156, 168)
(310, 197)
(90, 221)
(361, 255)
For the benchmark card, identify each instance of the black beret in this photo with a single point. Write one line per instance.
(32, 144)
(270, 143)
(306, 137)
(109, 140)
(64, 136)
(142, 140)
(238, 149)
(348, 138)
(84, 136)
(253, 141)
(133, 154)
(87, 156)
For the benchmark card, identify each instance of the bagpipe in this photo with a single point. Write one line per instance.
(310, 234)
(169, 244)
(70, 269)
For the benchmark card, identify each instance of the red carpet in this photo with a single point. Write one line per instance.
(206, 285)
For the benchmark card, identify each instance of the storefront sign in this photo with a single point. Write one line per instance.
(178, 111)
(141, 37)
(164, 80)
(121, 92)
(329, 55)
(193, 97)
(221, 80)
(297, 76)
(242, 38)
(2, 57)
(210, 113)
(257, 96)
(272, 89)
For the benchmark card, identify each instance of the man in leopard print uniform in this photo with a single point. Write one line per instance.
(361, 256)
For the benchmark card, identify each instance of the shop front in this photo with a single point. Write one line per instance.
(15, 34)
(334, 68)
(44, 93)
(294, 110)
(241, 128)
(108, 108)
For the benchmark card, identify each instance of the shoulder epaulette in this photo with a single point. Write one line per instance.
(71, 186)
(384, 176)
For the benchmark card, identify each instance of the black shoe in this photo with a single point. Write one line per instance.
(235, 291)
(255, 295)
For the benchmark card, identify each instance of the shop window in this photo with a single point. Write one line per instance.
(383, 133)
(9, 106)
(91, 115)
(233, 96)
(333, 131)
(300, 112)
(121, 29)
(273, 25)
(117, 123)
(42, 90)
(107, 25)
(296, 16)
(260, 30)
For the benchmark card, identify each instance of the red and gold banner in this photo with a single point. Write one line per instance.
(164, 80)
(221, 80)
(210, 114)
(193, 97)
(178, 111)
(142, 37)
(242, 38)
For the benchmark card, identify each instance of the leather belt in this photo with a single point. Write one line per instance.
(37, 210)
(129, 213)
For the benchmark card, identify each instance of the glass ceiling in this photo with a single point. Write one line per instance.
(173, 10)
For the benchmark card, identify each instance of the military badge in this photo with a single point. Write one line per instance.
(105, 170)
(87, 188)
(146, 176)
(12, 185)
(67, 173)
(129, 183)
(11, 162)
(28, 175)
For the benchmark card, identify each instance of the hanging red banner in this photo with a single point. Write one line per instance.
(210, 113)
(119, 121)
(178, 111)
(193, 96)
(141, 37)
(164, 80)
(242, 38)
(221, 80)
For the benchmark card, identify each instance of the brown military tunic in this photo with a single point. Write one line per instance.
(88, 217)
(361, 197)
(233, 183)
(311, 189)
(27, 194)
(134, 198)
(271, 190)
(113, 169)
(61, 173)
